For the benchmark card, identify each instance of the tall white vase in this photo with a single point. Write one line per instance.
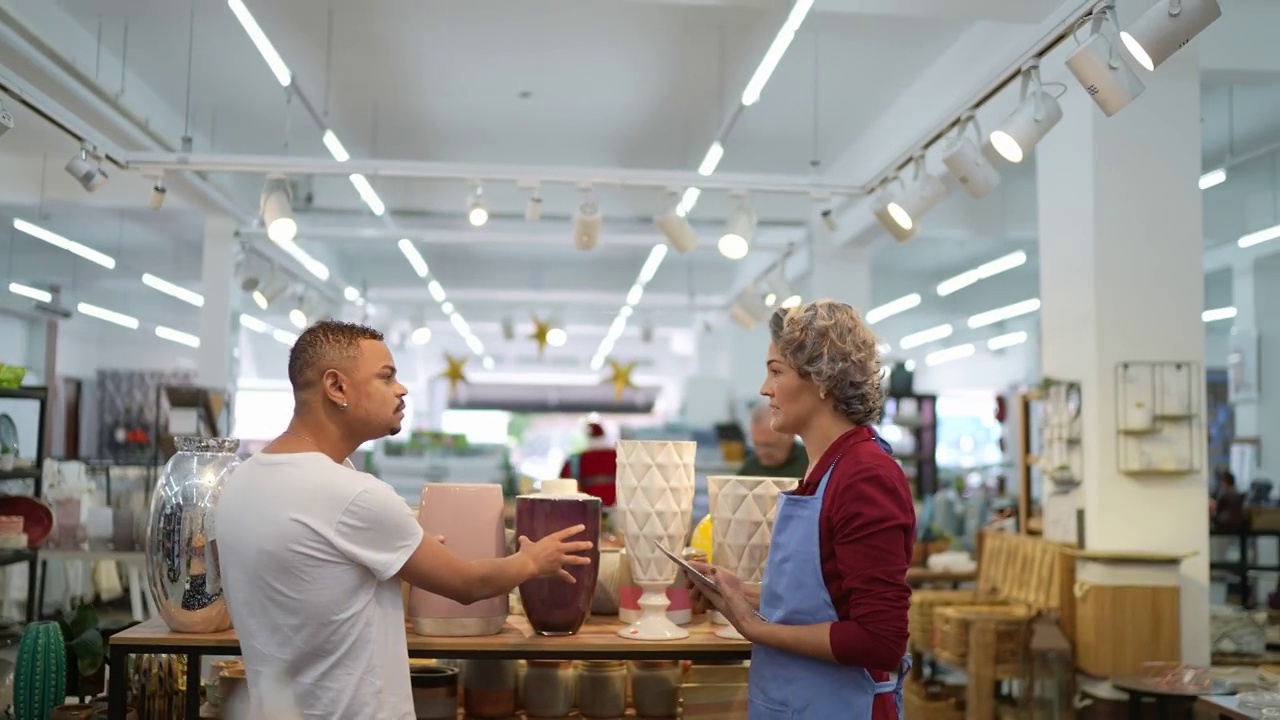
(742, 513)
(655, 507)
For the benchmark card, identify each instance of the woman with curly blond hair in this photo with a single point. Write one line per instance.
(832, 627)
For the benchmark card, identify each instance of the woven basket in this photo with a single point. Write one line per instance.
(921, 701)
(923, 603)
(951, 630)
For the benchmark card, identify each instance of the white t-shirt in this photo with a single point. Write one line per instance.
(309, 550)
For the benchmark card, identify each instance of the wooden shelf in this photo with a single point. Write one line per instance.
(598, 639)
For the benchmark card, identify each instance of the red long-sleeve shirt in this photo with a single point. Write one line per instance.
(866, 533)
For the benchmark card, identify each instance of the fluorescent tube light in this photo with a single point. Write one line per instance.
(410, 252)
(110, 316)
(29, 292)
(1213, 178)
(1215, 314)
(982, 272)
(924, 337)
(62, 243)
(177, 336)
(1008, 312)
(177, 291)
(891, 308)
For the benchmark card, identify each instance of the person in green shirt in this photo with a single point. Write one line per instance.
(773, 454)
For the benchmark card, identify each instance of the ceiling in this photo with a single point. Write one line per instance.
(615, 86)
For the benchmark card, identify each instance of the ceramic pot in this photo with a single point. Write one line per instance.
(469, 516)
(655, 507)
(182, 570)
(553, 606)
(742, 513)
(435, 692)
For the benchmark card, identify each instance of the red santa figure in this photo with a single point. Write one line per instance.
(596, 467)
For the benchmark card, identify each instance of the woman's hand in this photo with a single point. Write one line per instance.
(731, 600)
(549, 555)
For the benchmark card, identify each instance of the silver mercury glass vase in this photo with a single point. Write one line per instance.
(181, 552)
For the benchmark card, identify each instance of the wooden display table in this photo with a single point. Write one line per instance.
(598, 640)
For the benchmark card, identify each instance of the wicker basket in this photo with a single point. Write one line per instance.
(951, 630)
(932, 701)
(923, 603)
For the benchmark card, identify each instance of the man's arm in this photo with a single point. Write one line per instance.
(433, 568)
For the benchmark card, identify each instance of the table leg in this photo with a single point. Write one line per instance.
(192, 710)
(1135, 706)
(117, 683)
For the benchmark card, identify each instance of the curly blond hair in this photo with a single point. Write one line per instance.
(828, 343)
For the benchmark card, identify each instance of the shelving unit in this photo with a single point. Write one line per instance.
(35, 475)
(920, 466)
(187, 410)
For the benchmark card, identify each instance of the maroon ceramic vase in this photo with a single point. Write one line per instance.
(553, 606)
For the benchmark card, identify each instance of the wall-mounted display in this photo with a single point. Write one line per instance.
(1158, 418)
(1061, 458)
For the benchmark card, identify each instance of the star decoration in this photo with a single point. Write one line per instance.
(455, 372)
(540, 330)
(620, 377)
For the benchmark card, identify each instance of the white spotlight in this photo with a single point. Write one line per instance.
(966, 162)
(557, 337)
(1166, 27)
(277, 210)
(476, 213)
(916, 198)
(89, 175)
(533, 209)
(829, 219)
(1035, 116)
(158, 193)
(420, 336)
(679, 233)
(586, 225)
(898, 232)
(1099, 68)
(736, 241)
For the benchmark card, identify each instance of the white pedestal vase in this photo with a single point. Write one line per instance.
(742, 513)
(654, 507)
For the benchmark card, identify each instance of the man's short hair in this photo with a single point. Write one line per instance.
(324, 345)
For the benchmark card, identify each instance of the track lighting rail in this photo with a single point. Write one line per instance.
(428, 170)
(1060, 32)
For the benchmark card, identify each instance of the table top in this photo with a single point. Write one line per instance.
(1143, 686)
(598, 639)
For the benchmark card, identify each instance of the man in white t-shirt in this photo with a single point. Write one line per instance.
(312, 551)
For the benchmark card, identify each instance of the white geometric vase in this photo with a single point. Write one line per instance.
(654, 507)
(742, 513)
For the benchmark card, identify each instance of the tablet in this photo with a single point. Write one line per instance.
(690, 570)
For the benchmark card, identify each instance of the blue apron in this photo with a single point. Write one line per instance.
(787, 686)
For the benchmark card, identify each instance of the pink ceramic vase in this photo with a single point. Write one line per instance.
(470, 517)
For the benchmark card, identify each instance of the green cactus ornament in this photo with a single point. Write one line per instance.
(40, 679)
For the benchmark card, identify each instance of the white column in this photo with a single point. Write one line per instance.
(217, 323)
(1121, 279)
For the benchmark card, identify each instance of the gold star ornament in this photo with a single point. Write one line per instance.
(620, 376)
(455, 372)
(541, 328)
